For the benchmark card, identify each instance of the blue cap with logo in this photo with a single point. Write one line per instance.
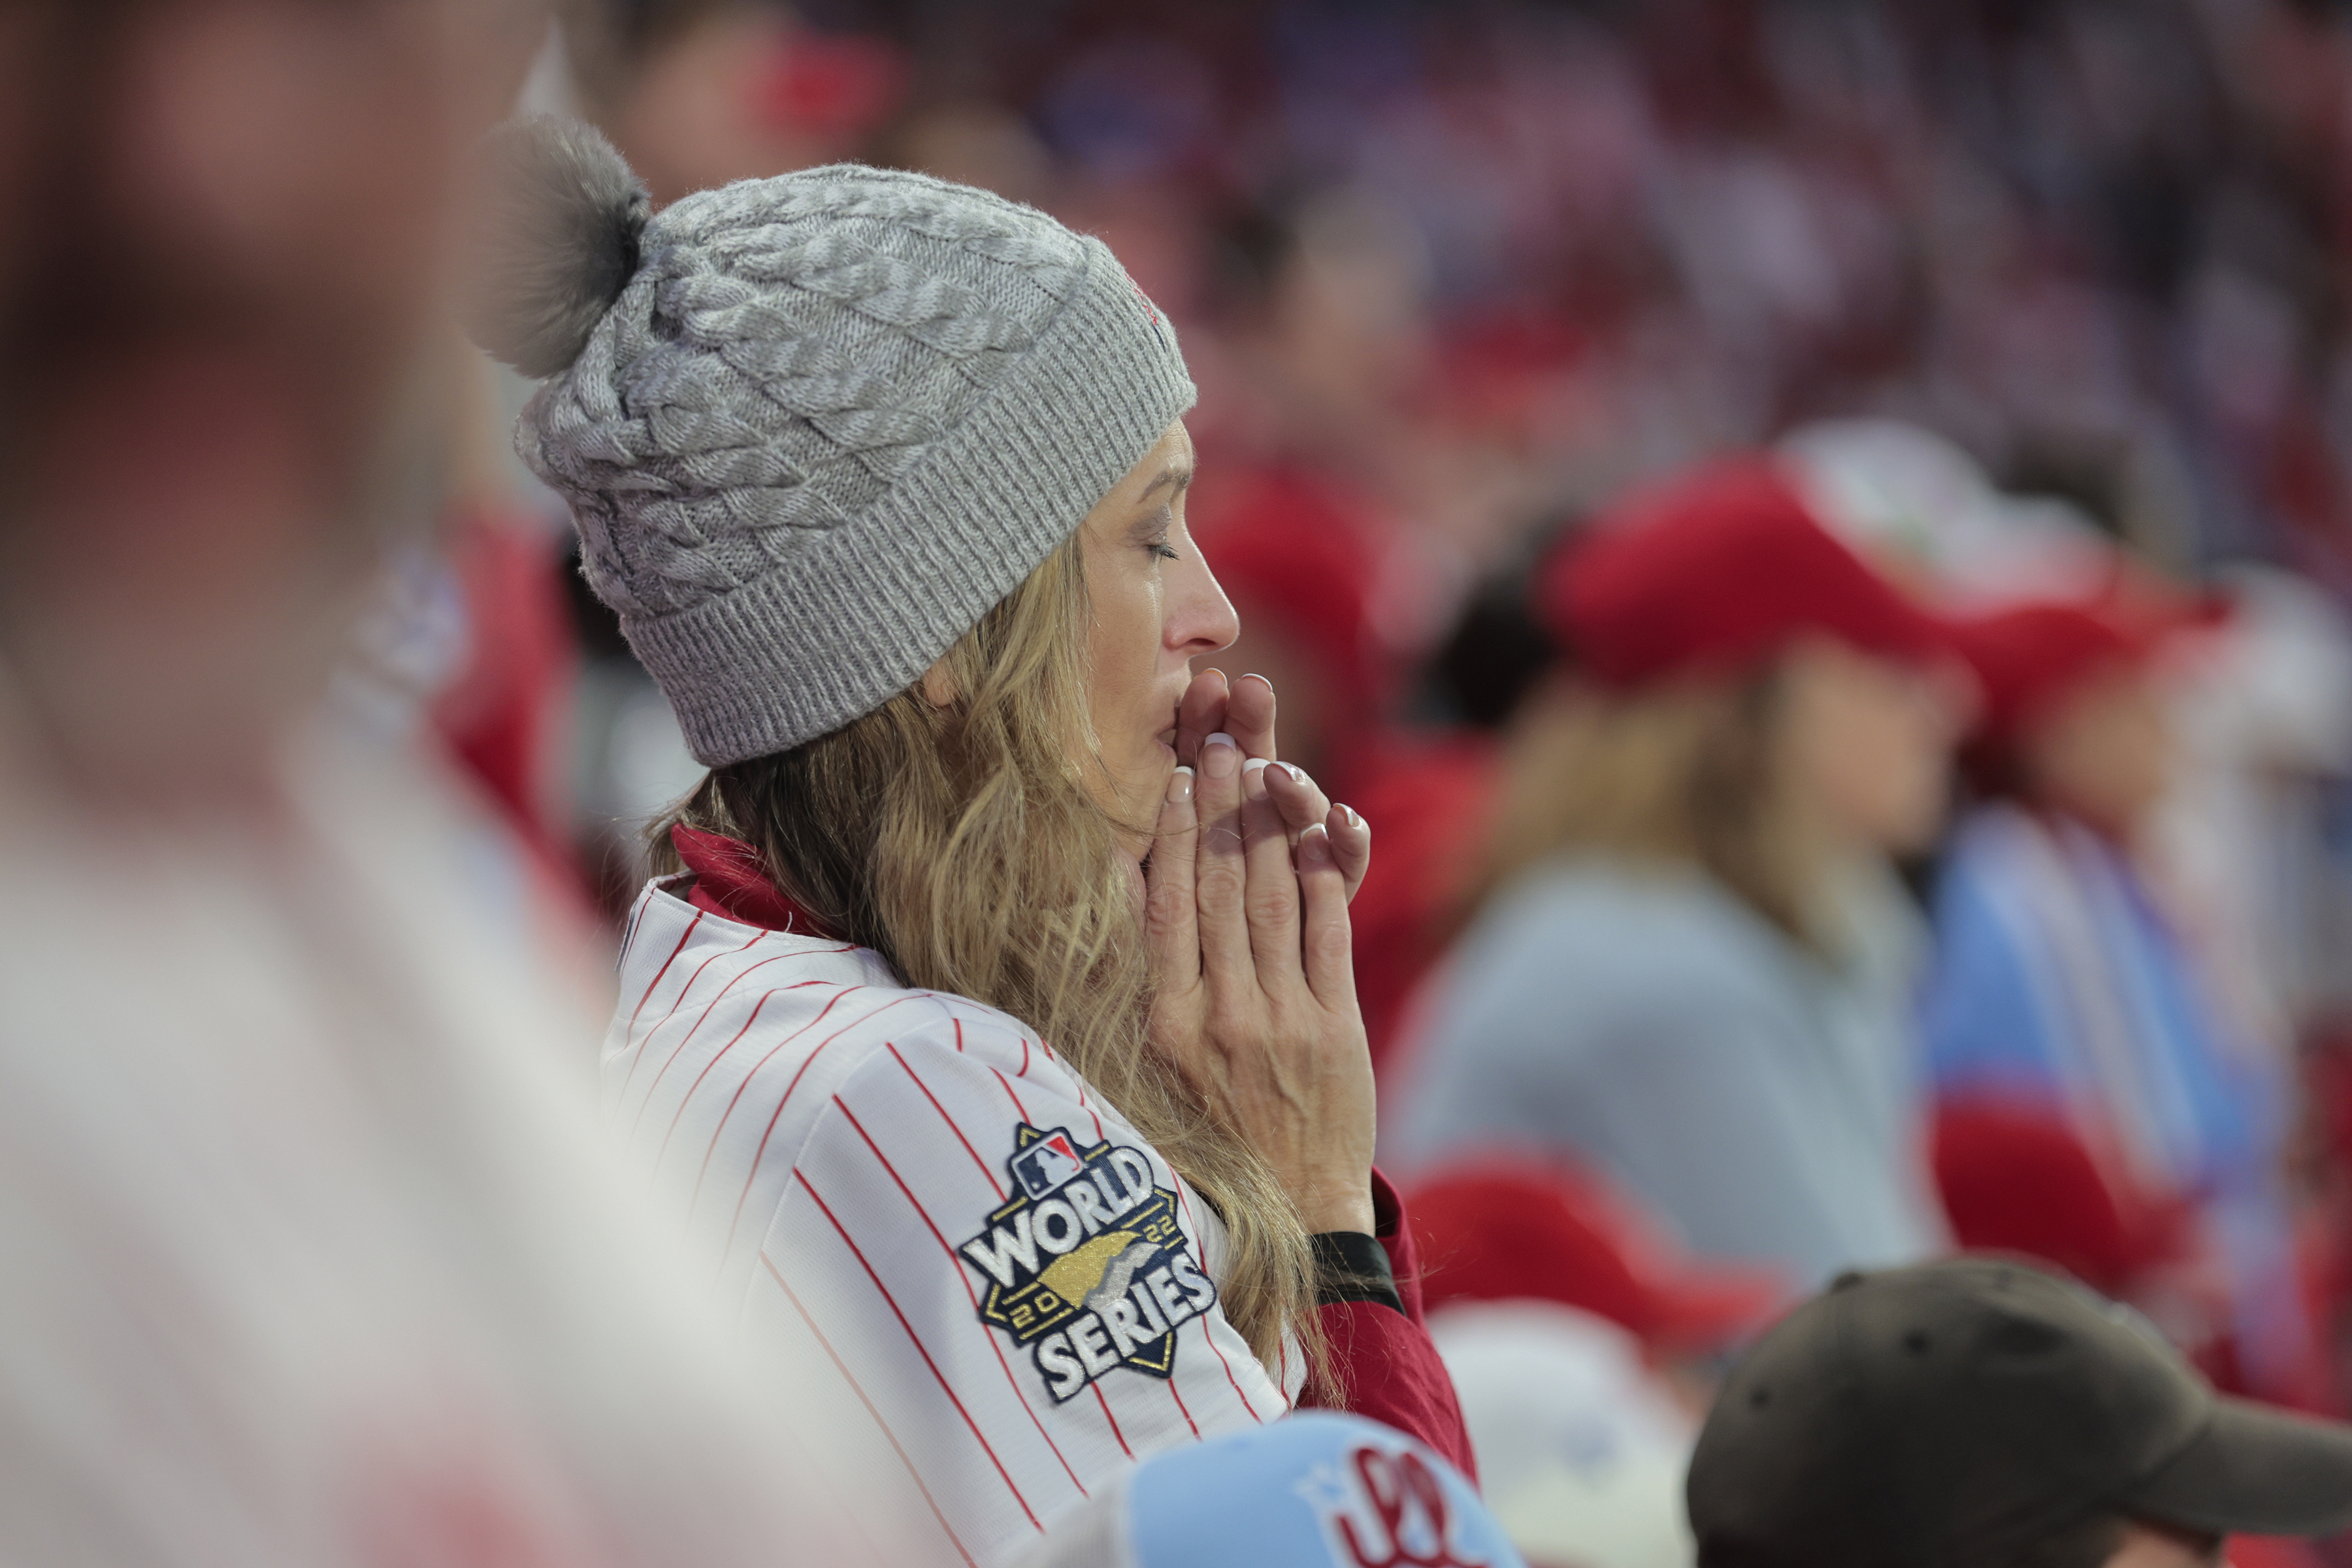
(1310, 1490)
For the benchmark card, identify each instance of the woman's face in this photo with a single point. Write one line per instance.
(1870, 743)
(2104, 752)
(1154, 607)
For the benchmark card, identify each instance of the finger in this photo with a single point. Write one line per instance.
(1221, 873)
(1273, 897)
(1170, 916)
(1325, 939)
(1200, 714)
(1300, 800)
(1352, 846)
(1249, 716)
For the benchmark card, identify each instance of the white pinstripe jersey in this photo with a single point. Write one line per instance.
(912, 1187)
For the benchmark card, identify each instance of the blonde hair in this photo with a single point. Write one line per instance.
(1692, 773)
(961, 842)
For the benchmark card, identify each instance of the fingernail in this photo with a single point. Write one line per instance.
(1180, 786)
(1261, 679)
(1353, 820)
(1253, 766)
(1315, 846)
(1297, 774)
(1254, 779)
(1220, 758)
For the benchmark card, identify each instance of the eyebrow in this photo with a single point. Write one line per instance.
(1180, 476)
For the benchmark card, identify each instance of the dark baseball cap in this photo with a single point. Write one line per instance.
(1953, 1412)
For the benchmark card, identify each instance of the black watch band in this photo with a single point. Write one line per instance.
(1353, 1267)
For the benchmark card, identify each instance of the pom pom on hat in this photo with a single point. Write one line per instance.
(562, 219)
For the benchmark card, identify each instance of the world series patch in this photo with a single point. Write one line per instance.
(1086, 1265)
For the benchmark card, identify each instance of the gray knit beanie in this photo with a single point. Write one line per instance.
(811, 429)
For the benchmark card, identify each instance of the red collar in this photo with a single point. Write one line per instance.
(730, 881)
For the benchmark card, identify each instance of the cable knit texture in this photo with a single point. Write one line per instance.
(834, 418)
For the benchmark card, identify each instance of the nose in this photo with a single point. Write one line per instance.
(1201, 619)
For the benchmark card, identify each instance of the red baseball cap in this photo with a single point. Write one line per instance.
(1288, 544)
(2027, 660)
(1716, 570)
(1500, 1229)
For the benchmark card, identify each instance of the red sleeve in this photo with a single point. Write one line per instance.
(1385, 1362)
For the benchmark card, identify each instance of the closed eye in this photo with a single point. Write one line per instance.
(1151, 532)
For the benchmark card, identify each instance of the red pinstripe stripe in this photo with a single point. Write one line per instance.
(1076, 1084)
(687, 1099)
(1011, 1095)
(847, 1376)
(1182, 1198)
(1024, 1060)
(1113, 1419)
(956, 1263)
(761, 1151)
(959, 1029)
(682, 941)
(950, 1121)
(1181, 1406)
(945, 1387)
(678, 1050)
(674, 1006)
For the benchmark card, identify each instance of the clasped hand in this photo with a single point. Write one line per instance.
(1247, 890)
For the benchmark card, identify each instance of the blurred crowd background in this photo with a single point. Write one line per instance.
(2042, 311)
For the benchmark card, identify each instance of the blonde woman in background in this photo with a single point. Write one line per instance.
(1690, 967)
(886, 479)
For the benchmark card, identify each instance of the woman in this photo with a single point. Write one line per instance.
(2070, 1011)
(886, 479)
(1688, 971)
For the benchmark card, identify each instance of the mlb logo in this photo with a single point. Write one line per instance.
(1046, 1164)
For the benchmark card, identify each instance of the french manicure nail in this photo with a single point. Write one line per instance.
(1253, 766)
(1315, 846)
(1297, 774)
(1254, 779)
(1261, 679)
(1220, 758)
(1180, 786)
(1353, 820)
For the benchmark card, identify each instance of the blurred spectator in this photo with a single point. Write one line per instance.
(2262, 721)
(1498, 1229)
(1306, 575)
(1313, 1490)
(1585, 1346)
(1581, 1448)
(2061, 987)
(1977, 1411)
(1692, 971)
(315, 1257)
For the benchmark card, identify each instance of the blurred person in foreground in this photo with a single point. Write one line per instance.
(1692, 969)
(2098, 1104)
(1980, 1414)
(1317, 1490)
(313, 1254)
(986, 1047)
